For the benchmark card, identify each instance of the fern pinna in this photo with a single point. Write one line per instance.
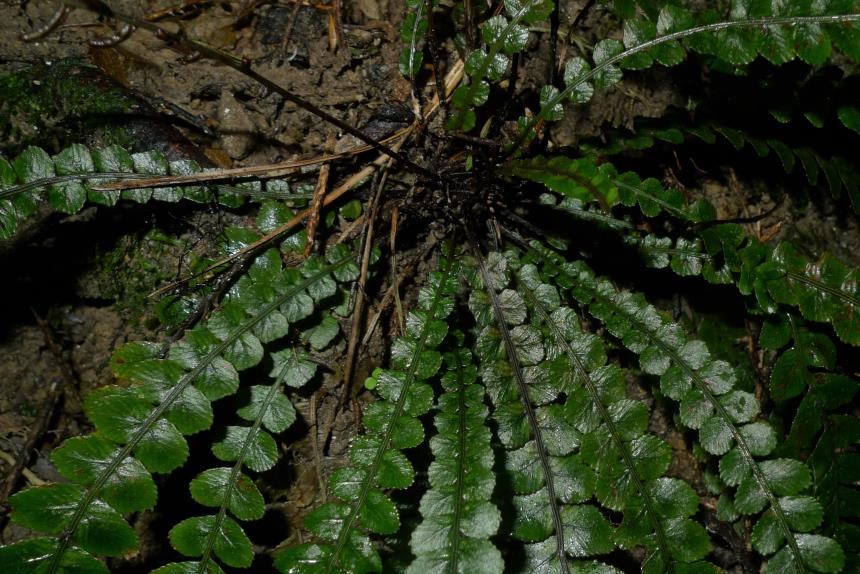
(517, 424)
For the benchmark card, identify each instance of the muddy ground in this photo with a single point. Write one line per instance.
(74, 288)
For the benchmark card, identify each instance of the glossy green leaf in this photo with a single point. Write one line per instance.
(323, 333)
(589, 533)
(276, 414)
(212, 486)
(850, 117)
(219, 377)
(261, 452)
(378, 513)
(118, 414)
(293, 366)
(231, 545)
(820, 554)
(688, 540)
(49, 509)
(825, 291)
(32, 556)
(130, 487)
(608, 75)
(574, 70)
(69, 197)
(511, 37)
(246, 351)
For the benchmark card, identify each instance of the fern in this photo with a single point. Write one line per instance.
(69, 179)
(166, 399)
(617, 461)
(458, 515)
(724, 417)
(504, 36)
(513, 427)
(839, 172)
(392, 425)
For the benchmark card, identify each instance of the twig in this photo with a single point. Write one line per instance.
(290, 24)
(25, 472)
(317, 201)
(316, 446)
(118, 37)
(452, 79)
(335, 24)
(358, 308)
(351, 182)
(270, 170)
(395, 283)
(390, 293)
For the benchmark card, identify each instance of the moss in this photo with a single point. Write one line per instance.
(132, 269)
(48, 105)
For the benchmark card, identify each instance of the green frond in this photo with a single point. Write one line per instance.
(543, 455)
(504, 36)
(594, 444)
(779, 33)
(458, 515)
(835, 477)
(67, 180)
(227, 488)
(838, 170)
(725, 418)
(412, 32)
(28, 557)
(824, 290)
(627, 465)
(162, 400)
(377, 461)
(507, 345)
(584, 180)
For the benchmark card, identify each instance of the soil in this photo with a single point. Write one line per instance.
(78, 284)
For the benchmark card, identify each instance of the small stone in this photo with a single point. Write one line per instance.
(236, 127)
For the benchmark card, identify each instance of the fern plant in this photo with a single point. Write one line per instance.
(513, 427)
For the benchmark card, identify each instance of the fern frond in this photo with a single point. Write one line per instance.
(840, 172)
(524, 429)
(804, 368)
(458, 516)
(723, 416)
(377, 460)
(628, 464)
(795, 31)
(503, 36)
(227, 488)
(163, 400)
(792, 371)
(412, 31)
(69, 177)
(835, 476)
(824, 290)
(685, 255)
(586, 181)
